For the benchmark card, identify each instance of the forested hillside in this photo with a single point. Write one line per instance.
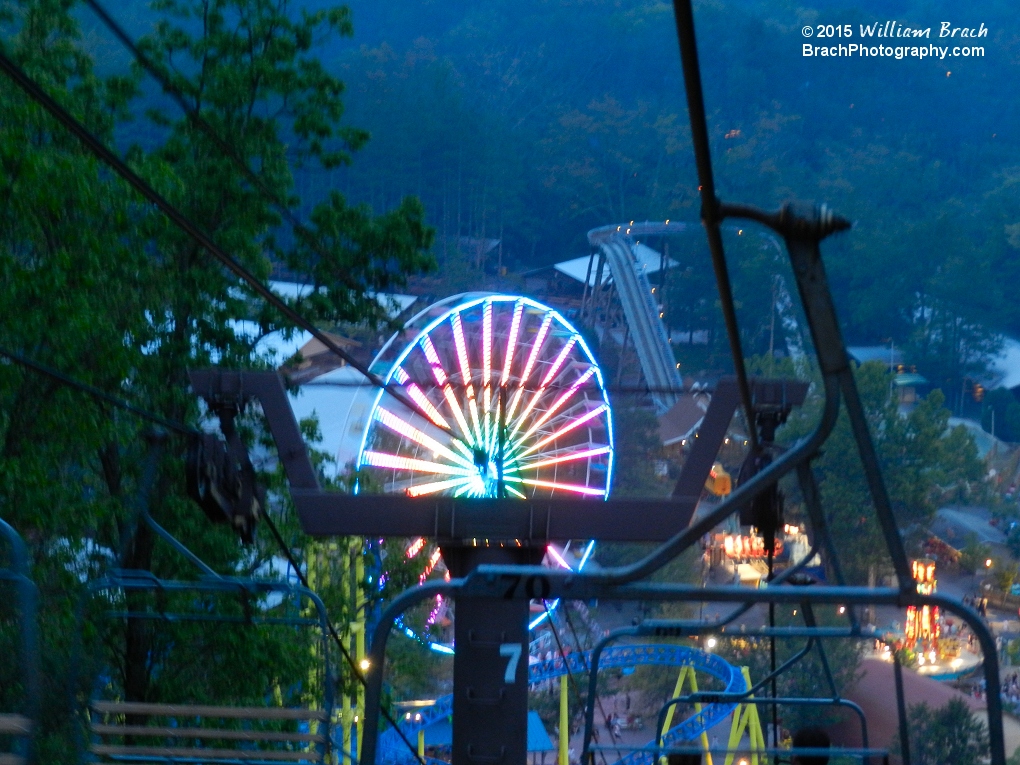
(533, 121)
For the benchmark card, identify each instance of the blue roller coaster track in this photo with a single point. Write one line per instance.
(392, 749)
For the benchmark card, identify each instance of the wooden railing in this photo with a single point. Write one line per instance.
(195, 734)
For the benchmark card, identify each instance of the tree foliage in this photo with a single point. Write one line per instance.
(1000, 414)
(948, 735)
(637, 449)
(98, 285)
(925, 465)
(973, 554)
(804, 679)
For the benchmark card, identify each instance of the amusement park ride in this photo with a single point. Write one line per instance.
(492, 435)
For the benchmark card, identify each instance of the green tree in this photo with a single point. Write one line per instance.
(68, 244)
(974, 554)
(948, 735)
(1013, 541)
(924, 464)
(806, 678)
(99, 286)
(1000, 414)
(637, 449)
(1005, 573)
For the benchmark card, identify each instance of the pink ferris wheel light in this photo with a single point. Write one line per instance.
(520, 391)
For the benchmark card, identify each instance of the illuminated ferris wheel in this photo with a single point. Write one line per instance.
(514, 406)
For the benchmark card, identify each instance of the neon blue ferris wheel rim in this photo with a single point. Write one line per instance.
(440, 367)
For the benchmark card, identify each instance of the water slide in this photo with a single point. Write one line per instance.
(646, 329)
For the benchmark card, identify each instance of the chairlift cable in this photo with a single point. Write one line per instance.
(174, 92)
(96, 393)
(184, 429)
(178, 427)
(106, 155)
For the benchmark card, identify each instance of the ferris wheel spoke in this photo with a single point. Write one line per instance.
(473, 408)
(442, 379)
(513, 404)
(558, 403)
(564, 430)
(565, 458)
(577, 489)
(471, 485)
(524, 397)
(508, 357)
(486, 367)
(499, 416)
(403, 428)
(530, 364)
(458, 413)
(559, 451)
(511, 342)
(395, 461)
(526, 413)
(465, 372)
(422, 489)
(514, 491)
(434, 362)
(576, 406)
(419, 397)
(555, 368)
(544, 386)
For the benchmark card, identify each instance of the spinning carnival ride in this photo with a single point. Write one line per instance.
(515, 405)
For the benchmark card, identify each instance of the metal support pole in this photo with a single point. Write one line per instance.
(564, 741)
(711, 215)
(490, 664)
(901, 711)
(584, 293)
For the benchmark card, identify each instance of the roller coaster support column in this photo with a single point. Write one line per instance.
(490, 664)
(313, 555)
(685, 671)
(358, 630)
(745, 718)
(352, 709)
(564, 722)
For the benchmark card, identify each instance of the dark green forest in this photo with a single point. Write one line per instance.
(534, 121)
